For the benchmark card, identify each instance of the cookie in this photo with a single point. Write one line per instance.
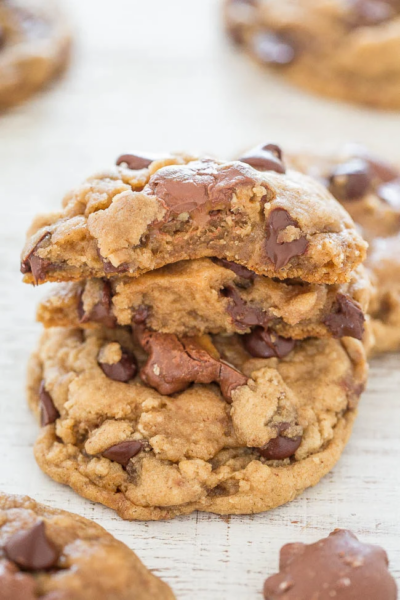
(339, 566)
(210, 296)
(345, 49)
(55, 555)
(156, 426)
(34, 47)
(369, 189)
(132, 220)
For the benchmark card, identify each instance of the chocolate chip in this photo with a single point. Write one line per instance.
(174, 364)
(390, 193)
(109, 268)
(102, 310)
(244, 315)
(350, 180)
(280, 447)
(261, 343)
(2, 37)
(31, 263)
(135, 162)
(381, 169)
(280, 253)
(123, 452)
(141, 315)
(273, 48)
(240, 270)
(199, 187)
(348, 320)
(241, 14)
(48, 412)
(371, 12)
(267, 157)
(124, 370)
(15, 585)
(31, 549)
(337, 567)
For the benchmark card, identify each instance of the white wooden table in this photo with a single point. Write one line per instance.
(158, 75)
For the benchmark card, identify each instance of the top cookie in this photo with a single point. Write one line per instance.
(34, 47)
(348, 49)
(51, 554)
(136, 218)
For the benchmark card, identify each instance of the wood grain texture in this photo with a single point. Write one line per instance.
(155, 76)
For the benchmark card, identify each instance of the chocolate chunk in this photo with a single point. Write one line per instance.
(124, 370)
(102, 310)
(229, 379)
(261, 343)
(267, 157)
(135, 162)
(348, 320)
(390, 193)
(48, 412)
(240, 270)
(280, 253)
(141, 315)
(199, 187)
(273, 48)
(31, 549)
(351, 180)
(31, 263)
(280, 447)
(338, 566)
(174, 364)
(15, 585)
(123, 452)
(243, 314)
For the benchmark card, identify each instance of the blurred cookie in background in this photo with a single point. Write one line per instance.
(35, 46)
(369, 189)
(347, 49)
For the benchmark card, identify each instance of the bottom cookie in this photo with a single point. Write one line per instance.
(55, 555)
(272, 428)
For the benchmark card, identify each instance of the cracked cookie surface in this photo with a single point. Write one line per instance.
(34, 47)
(51, 554)
(252, 434)
(131, 220)
(347, 49)
(203, 296)
(369, 189)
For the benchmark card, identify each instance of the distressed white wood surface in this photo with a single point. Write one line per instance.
(159, 75)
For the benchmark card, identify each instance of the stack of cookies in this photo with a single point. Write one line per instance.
(203, 350)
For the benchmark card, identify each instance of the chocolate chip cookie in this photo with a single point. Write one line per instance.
(211, 296)
(51, 554)
(135, 218)
(369, 189)
(34, 47)
(339, 566)
(154, 425)
(346, 49)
